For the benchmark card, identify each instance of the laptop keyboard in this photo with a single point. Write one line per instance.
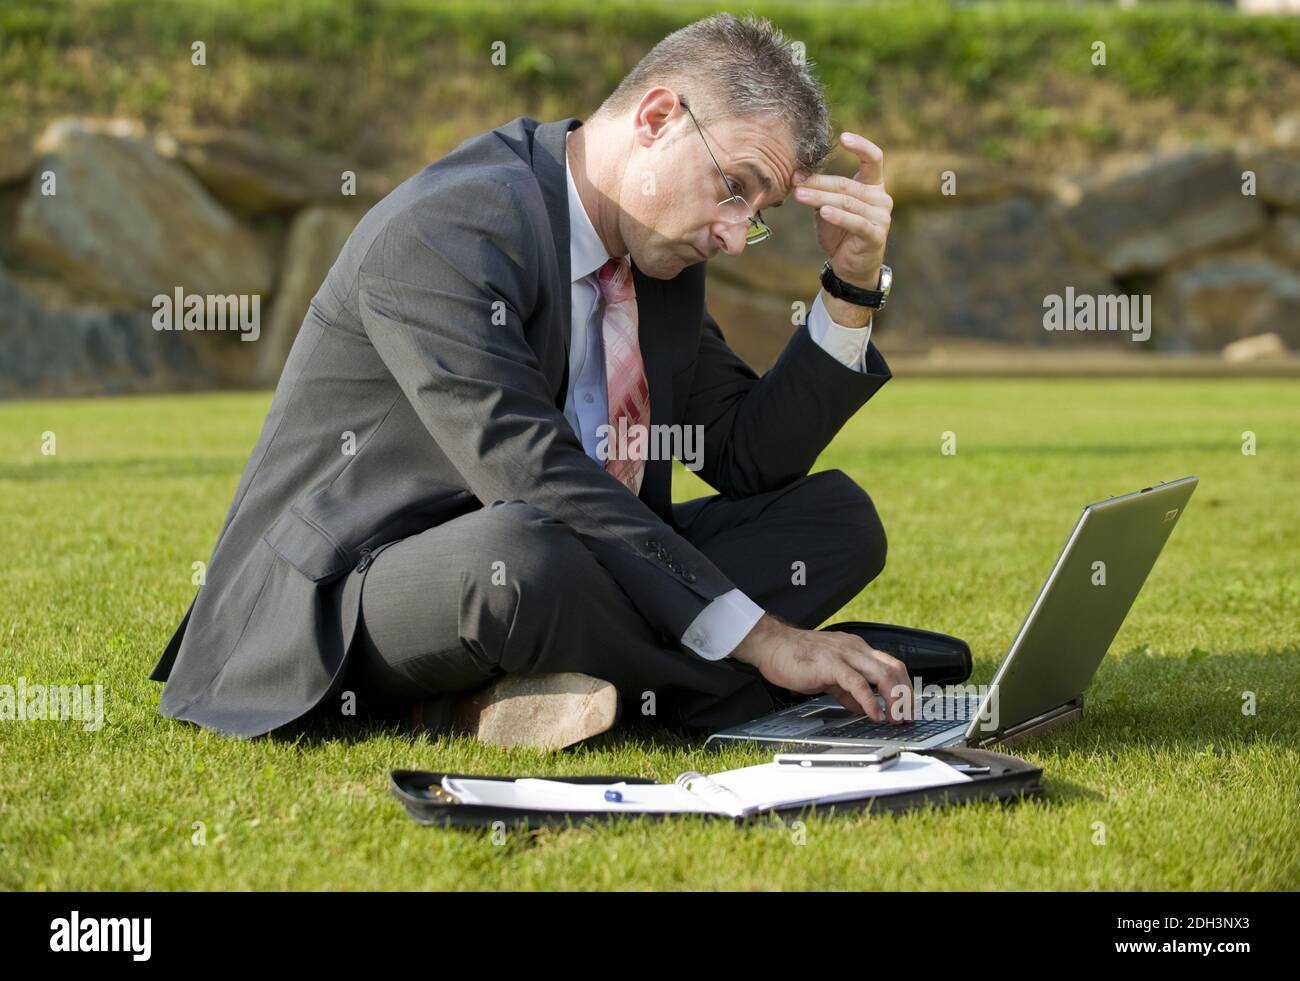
(869, 728)
(956, 712)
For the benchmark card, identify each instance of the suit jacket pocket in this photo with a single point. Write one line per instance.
(307, 547)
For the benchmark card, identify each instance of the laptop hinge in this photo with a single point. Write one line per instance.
(1040, 723)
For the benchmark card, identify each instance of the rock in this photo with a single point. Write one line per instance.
(1287, 130)
(920, 177)
(127, 225)
(51, 292)
(1277, 175)
(11, 200)
(1143, 218)
(1261, 347)
(757, 326)
(984, 271)
(1285, 238)
(252, 175)
(16, 159)
(89, 351)
(315, 239)
(1223, 298)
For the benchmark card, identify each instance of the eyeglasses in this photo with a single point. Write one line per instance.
(735, 209)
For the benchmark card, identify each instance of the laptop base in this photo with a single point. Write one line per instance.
(793, 725)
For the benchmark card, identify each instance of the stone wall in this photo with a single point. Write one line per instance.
(134, 215)
(1211, 235)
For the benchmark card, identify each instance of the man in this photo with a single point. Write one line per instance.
(433, 519)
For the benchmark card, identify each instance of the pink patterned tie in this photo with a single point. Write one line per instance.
(629, 392)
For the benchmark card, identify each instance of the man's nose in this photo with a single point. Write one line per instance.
(731, 237)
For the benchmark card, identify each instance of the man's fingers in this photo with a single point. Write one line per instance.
(863, 228)
(899, 691)
(863, 671)
(826, 188)
(844, 698)
(889, 675)
(871, 169)
(845, 666)
(867, 200)
(851, 681)
(895, 668)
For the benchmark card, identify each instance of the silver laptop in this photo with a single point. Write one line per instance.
(1040, 682)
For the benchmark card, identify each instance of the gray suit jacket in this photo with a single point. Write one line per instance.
(439, 339)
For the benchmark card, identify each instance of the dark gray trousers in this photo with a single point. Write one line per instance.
(509, 589)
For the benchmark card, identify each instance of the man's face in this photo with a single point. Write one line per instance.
(669, 203)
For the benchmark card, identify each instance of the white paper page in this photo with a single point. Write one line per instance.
(554, 795)
(762, 787)
(773, 784)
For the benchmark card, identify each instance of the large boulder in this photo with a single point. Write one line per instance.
(255, 176)
(1142, 218)
(931, 177)
(757, 326)
(126, 225)
(1222, 298)
(89, 351)
(984, 271)
(1277, 174)
(1287, 130)
(315, 239)
(1285, 239)
(16, 162)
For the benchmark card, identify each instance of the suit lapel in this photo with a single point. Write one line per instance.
(550, 165)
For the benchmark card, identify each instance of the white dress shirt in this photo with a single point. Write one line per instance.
(723, 624)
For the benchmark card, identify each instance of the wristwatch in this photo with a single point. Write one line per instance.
(841, 290)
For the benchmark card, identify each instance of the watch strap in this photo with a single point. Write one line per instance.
(849, 293)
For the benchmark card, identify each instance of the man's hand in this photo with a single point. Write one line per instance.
(853, 213)
(817, 661)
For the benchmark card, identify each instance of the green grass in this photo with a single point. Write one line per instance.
(1192, 793)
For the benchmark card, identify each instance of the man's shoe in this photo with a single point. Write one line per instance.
(540, 711)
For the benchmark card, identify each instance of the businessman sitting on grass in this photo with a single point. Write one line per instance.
(488, 559)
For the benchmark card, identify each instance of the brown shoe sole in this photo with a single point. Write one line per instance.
(540, 711)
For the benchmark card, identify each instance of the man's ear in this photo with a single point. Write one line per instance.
(655, 114)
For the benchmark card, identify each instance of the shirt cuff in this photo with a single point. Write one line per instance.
(847, 345)
(722, 625)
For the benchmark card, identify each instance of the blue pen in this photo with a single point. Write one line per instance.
(614, 796)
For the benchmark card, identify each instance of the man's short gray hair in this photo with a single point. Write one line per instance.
(726, 67)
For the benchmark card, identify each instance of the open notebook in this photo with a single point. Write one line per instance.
(737, 793)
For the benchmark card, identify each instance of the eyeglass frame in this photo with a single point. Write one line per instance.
(754, 217)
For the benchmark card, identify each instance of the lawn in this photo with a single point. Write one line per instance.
(1191, 792)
